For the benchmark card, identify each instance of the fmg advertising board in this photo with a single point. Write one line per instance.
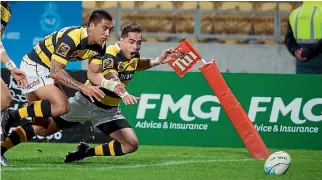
(31, 21)
(285, 109)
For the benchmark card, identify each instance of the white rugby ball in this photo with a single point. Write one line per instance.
(277, 163)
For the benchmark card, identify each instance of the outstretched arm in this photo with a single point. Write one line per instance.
(146, 63)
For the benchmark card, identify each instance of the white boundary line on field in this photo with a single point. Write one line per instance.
(162, 164)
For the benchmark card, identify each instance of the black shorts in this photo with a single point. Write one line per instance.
(112, 126)
(106, 128)
(63, 124)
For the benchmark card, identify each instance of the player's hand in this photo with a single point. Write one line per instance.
(119, 89)
(93, 92)
(130, 99)
(299, 55)
(20, 77)
(166, 55)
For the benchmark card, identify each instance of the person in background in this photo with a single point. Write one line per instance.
(304, 37)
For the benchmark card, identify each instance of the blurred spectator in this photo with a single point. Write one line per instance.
(304, 37)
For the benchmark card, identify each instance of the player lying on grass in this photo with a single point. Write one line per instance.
(118, 64)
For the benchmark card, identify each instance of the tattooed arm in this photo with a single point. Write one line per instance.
(58, 73)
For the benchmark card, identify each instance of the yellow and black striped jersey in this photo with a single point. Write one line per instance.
(114, 61)
(66, 45)
(5, 14)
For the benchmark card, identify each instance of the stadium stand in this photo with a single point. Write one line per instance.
(231, 22)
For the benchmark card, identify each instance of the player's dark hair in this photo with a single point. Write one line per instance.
(98, 15)
(5, 3)
(130, 28)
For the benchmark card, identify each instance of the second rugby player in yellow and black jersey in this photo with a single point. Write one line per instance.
(118, 64)
(114, 63)
(45, 72)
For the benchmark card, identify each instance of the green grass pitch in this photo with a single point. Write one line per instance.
(153, 162)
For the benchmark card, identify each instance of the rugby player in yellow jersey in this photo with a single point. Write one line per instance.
(17, 74)
(44, 67)
(119, 63)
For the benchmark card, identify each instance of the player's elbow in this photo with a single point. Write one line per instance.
(55, 72)
(54, 75)
(93, 78)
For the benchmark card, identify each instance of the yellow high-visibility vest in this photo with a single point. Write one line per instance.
(306, 22)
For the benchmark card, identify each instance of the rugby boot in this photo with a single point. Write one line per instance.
(78, 154)
(3, 161)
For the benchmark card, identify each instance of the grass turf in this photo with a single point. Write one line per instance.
(153, 162)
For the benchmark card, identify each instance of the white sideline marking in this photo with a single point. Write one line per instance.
(164, 164)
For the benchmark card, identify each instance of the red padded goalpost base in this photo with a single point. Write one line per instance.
(235, 111)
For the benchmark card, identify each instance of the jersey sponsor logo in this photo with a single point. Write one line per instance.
(92, 53)
(134, 63)
(83, 54)
(108, 63)
(121, 66)
(63, 49)
(128, 65)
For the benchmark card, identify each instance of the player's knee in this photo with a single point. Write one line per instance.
(133, 145)
(40, 131)
(46, 132)
(67, 108)
(62, 108)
